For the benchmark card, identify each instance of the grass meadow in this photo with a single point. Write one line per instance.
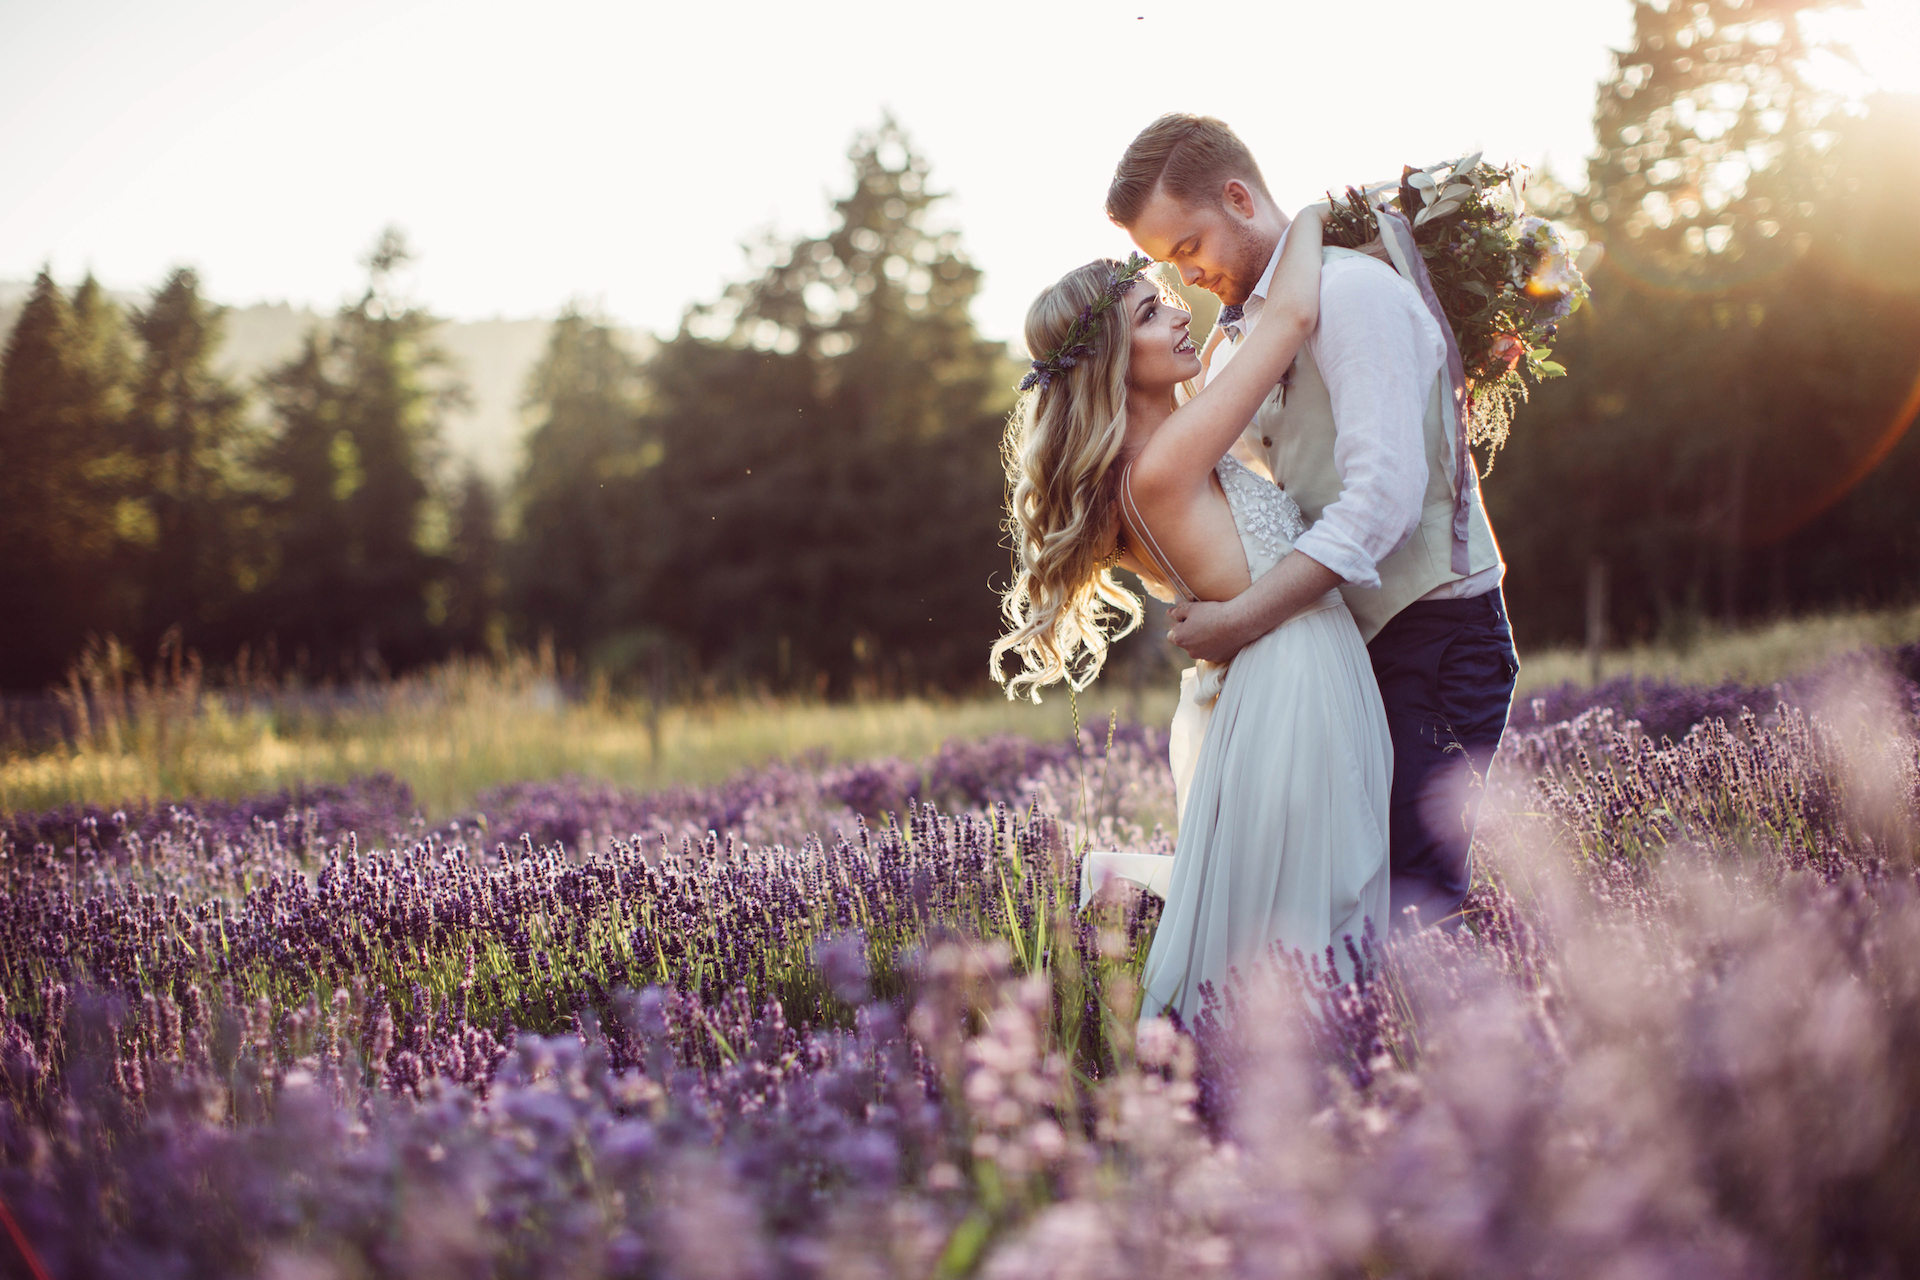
(465, 727)
(1758, 655)
(469, 726)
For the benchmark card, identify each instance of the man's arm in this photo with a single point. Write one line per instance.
(1378, 355)
(1216, 630)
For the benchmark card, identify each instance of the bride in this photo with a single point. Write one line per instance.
(1283, 814)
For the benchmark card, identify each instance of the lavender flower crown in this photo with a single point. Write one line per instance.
(1077, 342)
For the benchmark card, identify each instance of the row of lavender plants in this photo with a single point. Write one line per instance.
(844, 1020)
(1664, 708)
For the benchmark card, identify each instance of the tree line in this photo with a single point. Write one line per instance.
(143, 496)
(800, 488)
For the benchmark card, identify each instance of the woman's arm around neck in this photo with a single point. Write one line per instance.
(1182, 453)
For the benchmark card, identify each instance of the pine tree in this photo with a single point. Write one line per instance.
(359, 413)
(569, 553)
(826, 504)
(1713, 149)
(1712, 165)
(68, 524)
(188, 430)
(474, 580)
(1703, 377)
(1832, 514)
(311, 468)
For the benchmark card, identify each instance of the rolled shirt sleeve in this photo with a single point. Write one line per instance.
(1378, 351)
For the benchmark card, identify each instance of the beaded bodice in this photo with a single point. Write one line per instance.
(1268, 521)
(1266, 515)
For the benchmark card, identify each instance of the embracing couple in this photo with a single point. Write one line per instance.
(1303, 493)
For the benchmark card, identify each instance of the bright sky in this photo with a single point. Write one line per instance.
(620, 153)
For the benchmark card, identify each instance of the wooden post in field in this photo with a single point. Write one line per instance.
(1596, 616)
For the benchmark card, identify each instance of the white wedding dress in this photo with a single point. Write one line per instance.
(1282, 781)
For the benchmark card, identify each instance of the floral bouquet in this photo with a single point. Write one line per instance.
(1505, 279)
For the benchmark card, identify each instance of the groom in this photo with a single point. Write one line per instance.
(1359, 432)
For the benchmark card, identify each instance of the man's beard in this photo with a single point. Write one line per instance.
(1251, 254)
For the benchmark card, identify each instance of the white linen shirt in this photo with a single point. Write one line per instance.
(1378, 349)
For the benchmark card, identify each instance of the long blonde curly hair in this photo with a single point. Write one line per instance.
(1060, 447)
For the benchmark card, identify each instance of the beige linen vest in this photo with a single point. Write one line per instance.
(1293, 432)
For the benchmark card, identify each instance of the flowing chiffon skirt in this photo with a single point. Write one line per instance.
(1283, 809)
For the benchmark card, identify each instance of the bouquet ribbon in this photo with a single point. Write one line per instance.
(1396, 233)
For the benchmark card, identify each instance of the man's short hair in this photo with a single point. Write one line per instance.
(1193, 156)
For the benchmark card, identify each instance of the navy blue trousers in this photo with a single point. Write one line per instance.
(1446, 670)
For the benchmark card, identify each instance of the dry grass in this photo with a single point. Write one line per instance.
(1759, 655)
(464, 727)
(461, 728)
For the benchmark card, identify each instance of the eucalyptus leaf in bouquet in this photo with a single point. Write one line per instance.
(1504, 278)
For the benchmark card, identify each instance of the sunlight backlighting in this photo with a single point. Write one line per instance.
(1821, 499)
(1884, 36)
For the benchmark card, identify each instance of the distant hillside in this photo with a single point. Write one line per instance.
(494, 358)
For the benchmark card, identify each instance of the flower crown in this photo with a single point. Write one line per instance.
(1076, 343)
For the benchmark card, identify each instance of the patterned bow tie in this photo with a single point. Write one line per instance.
(1231, 315)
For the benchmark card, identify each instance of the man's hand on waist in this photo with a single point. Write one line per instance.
(1210, 630)
(1215, 631)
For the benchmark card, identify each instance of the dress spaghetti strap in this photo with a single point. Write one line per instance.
(1130, 512)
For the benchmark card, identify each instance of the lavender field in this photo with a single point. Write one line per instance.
(831, 1019)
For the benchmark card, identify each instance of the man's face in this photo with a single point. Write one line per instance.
(1223, 246)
